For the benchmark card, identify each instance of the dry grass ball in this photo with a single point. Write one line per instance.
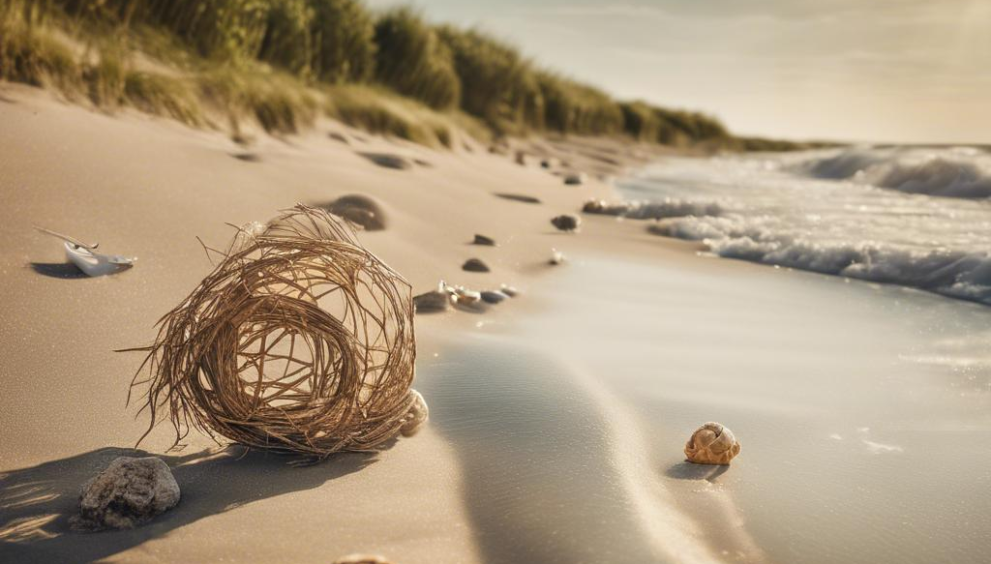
(299, 341)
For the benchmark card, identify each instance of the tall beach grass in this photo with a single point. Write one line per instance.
(281, 63)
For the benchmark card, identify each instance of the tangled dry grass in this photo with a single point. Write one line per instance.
(299, 341)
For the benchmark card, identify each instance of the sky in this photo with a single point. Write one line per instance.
(913, 71)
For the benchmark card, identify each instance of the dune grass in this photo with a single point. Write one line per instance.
(413, 61)
(282, 63)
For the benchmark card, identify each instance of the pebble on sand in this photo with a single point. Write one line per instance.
(361, 210)
(128, 493)
(493, 297)
(712, 443)
(557, 257)
(362, 559)
(475, 265)
(575, 179)
(483, 240)
(567, 222)
(432, 302)
(510, 291)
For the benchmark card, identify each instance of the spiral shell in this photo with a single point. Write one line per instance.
(712, 443)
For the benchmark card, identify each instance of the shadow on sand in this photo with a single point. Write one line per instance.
(687, 471)
(36, 502)
(65, 270)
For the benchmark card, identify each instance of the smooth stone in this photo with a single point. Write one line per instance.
(491, 297)
(483, 240)
(432, 302)
(475, 265)
(566, 222)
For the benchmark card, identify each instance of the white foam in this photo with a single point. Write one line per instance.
(764, 212)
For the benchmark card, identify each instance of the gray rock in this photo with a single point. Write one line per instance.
(566, 222)
(574, 179)
(130, 492)
(493, 297)
(483, 240)
(475, 265)
(361, 210)
(432, 302)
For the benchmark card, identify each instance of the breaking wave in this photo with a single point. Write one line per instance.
(955, 173)
(790, 211)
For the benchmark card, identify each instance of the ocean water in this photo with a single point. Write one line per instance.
(909, 216)
(864, 411)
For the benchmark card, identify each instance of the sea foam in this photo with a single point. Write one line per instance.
(876, 215)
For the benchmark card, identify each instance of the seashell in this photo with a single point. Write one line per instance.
(463, 295)
(557, 257)
(712, 443)
(417, 416)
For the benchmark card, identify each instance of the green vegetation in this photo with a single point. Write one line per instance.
(412, 60)
(283, 63)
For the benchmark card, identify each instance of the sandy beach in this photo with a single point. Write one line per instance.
(148, 188)
(557, 418)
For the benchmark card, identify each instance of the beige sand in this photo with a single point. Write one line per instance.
(147, 187)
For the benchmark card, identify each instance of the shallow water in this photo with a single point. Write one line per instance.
(914, 217)
(863, 411)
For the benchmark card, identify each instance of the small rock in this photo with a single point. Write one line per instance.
(432, 302)
(483, 240)
(130, 492)
(566, 222)
(417, 416)
(575, 179)
(712, 443)
(557, 257)
(339, 137)
(475, 265)
(545, 163)
(510, 291)
(361, 210)
(490, 297)
(362, 559)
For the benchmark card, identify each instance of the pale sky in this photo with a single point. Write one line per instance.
(856, 70)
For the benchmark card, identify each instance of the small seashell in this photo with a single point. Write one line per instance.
(510, 291)
(557, 257)
(463, 295)
(712, 443)
(418, 415)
